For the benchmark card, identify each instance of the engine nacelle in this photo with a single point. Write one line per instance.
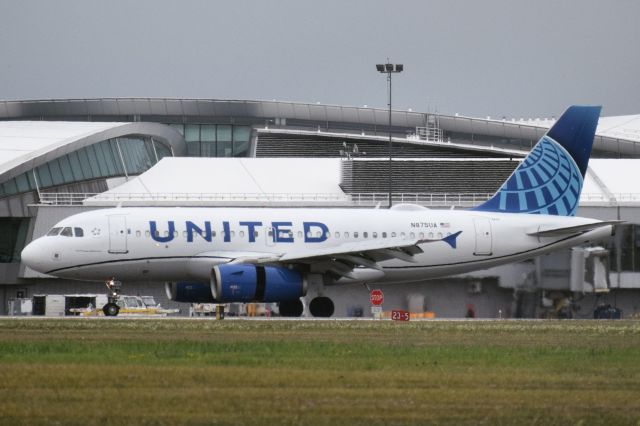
(189, 292)
(251, 283)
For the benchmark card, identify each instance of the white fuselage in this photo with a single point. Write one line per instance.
(172, 244)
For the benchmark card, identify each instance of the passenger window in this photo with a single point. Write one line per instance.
(421, 235)
(175, 234)
(384, 235)
(337, 235)
(255, 234)
(78, 232)
(67, 232)
(402, 234)
(166, 233)
(233, 233)
(147, 234)
(213, 233)
(448, 233)
(393, 235)
(439, 234)
(412, 235)
(241, 233)
(299, 234)
(53, 232)
(355, 235)
(365, 235)
(430, 234)
(375, 235)
(346, 235)
(138, 233)
(184, 234)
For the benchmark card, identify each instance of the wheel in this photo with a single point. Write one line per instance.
(291, 308)
(321, 307)
(111, 310)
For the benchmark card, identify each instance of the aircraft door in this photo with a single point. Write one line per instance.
(118, 234)
(484, 241)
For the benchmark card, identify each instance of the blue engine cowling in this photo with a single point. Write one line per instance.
(189, 292)
(251, 283)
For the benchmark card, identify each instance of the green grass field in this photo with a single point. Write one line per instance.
(84, 371)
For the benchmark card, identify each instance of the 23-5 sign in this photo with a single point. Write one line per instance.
(399, 315)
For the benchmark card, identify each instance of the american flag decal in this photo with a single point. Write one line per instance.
(445, 224)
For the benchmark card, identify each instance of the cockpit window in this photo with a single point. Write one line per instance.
(79, 232)
(67, 232)
(53, 232)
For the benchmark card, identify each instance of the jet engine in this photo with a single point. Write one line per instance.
(241, 283)
(189, 292)
(251, 283)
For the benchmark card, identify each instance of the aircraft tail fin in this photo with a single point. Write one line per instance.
(549, 180)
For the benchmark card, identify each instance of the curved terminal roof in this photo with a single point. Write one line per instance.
(616, 127)
(25, 145)
(615, 134)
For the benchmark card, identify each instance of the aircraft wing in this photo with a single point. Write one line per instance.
(558, 231)
(384, 248)
(342, 259)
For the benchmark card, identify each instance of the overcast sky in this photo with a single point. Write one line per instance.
(482, 58)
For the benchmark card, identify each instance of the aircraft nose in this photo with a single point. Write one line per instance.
(31, 256)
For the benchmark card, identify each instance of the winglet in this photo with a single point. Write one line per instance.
(451, 239)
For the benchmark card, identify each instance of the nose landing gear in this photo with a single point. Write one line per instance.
(111, 309)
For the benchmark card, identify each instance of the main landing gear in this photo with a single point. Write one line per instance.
(291, 308)
(320, 307)
(111, 309)
(313, 304)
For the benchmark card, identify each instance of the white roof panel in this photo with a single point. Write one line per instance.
(623, 127)
(621, 176)
(251, 176)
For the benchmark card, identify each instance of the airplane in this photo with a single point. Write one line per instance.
(289, 255)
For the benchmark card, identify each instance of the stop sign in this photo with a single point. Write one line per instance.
(376, 297)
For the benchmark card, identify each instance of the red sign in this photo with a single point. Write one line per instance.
(376, 297)
(398, 315)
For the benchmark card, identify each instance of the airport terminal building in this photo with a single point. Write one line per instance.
(61, 157)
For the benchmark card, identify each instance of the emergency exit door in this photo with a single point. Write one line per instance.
(484, 241)
(118, 234)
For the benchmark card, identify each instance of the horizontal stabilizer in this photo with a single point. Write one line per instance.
(558, 231)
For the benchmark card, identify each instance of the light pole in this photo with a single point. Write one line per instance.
(389, 69)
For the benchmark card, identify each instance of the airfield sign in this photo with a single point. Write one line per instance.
(400, 315)
(377, 297)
